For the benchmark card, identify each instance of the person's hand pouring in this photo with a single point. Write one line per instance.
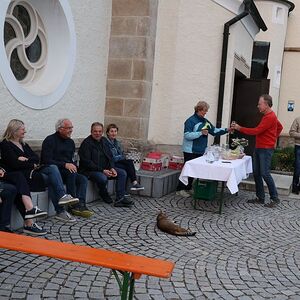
(235, 126)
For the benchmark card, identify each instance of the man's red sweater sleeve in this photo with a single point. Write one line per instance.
(261, 127)
(266, 132)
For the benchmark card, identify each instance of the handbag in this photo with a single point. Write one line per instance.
(135, 156)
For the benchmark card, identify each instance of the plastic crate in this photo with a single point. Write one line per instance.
(205, 190)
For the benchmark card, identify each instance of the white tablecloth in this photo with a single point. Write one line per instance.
(230, 171)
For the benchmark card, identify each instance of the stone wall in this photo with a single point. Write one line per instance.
(130, 67)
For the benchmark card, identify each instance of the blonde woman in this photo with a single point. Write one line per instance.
(18, 161)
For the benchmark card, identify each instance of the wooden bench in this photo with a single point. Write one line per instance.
(131, 267)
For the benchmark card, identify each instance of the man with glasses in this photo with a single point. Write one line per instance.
(266, 133)
(59, 149)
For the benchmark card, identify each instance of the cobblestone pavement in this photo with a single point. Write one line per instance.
(248, 252)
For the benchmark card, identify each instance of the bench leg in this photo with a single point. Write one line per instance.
(131, 287)
(127, 286)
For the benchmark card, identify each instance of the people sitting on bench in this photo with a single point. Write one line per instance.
(97, 164)
(18, 156)
(119, 156)
(59, 149)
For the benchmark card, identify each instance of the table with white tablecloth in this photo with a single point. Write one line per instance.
(231, 172)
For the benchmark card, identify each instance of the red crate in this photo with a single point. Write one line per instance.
(151, 164)
(154, 155)
(175, 166)
(176, 162)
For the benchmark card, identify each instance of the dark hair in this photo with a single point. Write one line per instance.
(268, 99)
(110, 126)
(96, 124)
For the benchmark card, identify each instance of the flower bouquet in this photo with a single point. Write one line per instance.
(239, 142)
(238, 152)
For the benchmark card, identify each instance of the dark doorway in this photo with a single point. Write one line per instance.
(244, 105)
(260, 56)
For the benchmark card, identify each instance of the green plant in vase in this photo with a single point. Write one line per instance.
(239, 144)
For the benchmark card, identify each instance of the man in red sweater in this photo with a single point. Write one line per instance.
(266, 132)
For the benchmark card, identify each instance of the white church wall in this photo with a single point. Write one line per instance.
(289, 89)
(187, 65)
(275, 15)
(239, 57)
(84, 100)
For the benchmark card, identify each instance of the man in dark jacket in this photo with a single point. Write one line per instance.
(59, 149)
(97, 164)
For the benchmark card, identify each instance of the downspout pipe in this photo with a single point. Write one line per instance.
(223, 68)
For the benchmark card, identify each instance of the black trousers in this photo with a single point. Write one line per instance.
(187, 157)
(128, 166)
(7, 194)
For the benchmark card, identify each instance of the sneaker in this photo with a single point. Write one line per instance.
(35, 212)
(256, 201)
(126, 195)
(123, 202)
(82, 211)
(183, 193)
(107, 199)
(272, 204)
(65, 216)
(34, 229)
(127, 200)
(137, 187)
(67, 199)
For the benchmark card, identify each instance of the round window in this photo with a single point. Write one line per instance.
(37, 55)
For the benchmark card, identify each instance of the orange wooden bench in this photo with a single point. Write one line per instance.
(131, 267)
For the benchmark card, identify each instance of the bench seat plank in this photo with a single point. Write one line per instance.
(85, 254)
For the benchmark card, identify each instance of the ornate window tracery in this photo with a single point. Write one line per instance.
(25, 41)
(38, 50)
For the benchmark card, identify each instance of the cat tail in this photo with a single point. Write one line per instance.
(188, 233)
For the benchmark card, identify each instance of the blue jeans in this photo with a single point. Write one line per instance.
(7, 194)
(76, 185)
(55, 184)
(101, 180)
(261, 170)
(296, 167)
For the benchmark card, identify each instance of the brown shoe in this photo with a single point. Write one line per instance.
(256, 201)
(271, 204)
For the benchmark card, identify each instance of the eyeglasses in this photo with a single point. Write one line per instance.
(70, 127)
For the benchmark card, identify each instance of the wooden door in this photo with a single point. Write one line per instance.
(244, 106)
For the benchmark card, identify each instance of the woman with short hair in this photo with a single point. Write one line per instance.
(119, 156)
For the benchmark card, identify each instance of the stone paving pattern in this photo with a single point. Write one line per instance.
(248, 252)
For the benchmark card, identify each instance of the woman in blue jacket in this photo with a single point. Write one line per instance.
(119, 156)
(195, 137)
